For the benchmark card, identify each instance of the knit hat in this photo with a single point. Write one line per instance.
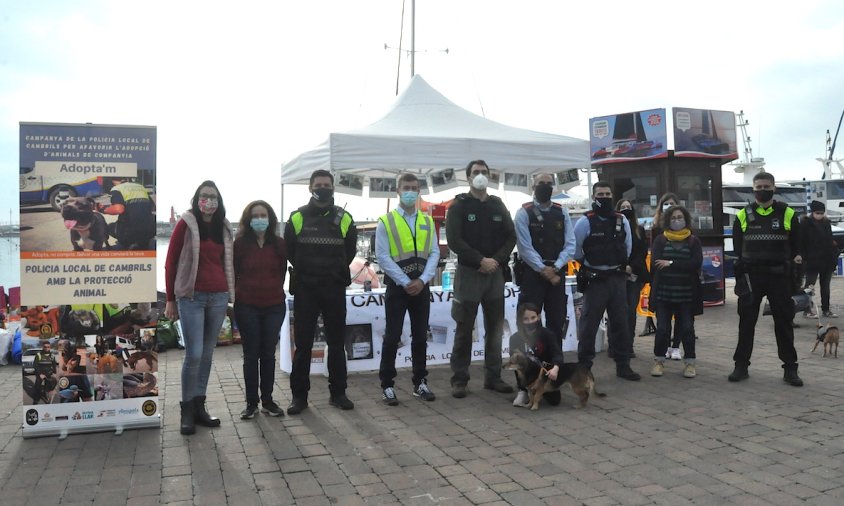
(817, 206)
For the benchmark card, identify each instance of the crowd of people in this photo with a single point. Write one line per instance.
(208, 267)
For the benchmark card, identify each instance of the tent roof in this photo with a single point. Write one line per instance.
(426, 132)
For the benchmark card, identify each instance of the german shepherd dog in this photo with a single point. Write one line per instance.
(533, 376)
(828, 336)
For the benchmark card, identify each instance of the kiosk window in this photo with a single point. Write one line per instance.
(695, 193)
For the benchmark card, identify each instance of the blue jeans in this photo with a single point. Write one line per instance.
(259, 332)
(201, 317)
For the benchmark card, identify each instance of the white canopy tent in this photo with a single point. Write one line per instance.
(425, 132)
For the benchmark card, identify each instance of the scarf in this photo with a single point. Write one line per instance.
(682, 235)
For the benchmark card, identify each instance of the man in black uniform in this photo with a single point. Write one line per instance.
(766, 239)
(545, 238)
(321, 241)
(135, 210)
(480, 231)
(603, 246)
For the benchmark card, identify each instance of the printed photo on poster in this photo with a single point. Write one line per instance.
(359, 341)
(382, 187)
(349, 184)
(443, 180)
(516, 182)
(633, 135)
(704, 133)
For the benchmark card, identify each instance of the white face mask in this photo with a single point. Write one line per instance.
(479, 182)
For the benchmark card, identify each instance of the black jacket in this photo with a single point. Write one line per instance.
(817, 247)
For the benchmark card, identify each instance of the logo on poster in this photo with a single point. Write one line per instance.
(31, 417)
(149, 408)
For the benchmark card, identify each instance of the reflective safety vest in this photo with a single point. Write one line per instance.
(321, 244)
(765, 233)
(409, 248)
(131, 191)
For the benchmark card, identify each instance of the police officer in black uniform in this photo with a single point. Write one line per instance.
(545, 238)
(321, 242)
(766, 239)
(603, 247)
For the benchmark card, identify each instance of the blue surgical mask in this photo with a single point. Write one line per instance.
(409, 198)
(259, 224)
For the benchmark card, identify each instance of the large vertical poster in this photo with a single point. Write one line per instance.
(88, 274)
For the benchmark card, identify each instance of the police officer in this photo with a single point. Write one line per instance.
(480, 231)
(765, 239)
(321, 243)
(545, 238)
(603, 247)
(408, 253)
(135, 225)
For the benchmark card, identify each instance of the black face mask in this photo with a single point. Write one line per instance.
(603, 206)
(763, 195)
(323, 195)
(628, 213)
(543, 192)
(531, 328)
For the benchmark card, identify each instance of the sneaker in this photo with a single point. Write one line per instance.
(423, 392)
(790, 376)
(297, 405)
(810, 314)
(658, 369)
(499, 386)
(668, 352)
(522, 399)
(689, 371)
(250, 412)
(342, 402)
(389, 397)
(829, 314)
(458, 391)
(675, 354)
(739, 373)
(271, 408)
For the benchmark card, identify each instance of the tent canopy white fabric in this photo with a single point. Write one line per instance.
(425, 132)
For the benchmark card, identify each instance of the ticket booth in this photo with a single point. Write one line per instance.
(697, 183)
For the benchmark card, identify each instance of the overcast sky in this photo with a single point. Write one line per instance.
(237, 88)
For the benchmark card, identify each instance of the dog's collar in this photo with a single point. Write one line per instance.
(81, 228)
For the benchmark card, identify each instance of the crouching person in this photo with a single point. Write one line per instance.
(541, 347)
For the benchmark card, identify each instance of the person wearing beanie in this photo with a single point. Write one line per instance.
(820, 254)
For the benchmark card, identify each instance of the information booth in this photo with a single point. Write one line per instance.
(697, 183)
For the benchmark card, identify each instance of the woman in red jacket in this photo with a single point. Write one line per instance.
(260, 264)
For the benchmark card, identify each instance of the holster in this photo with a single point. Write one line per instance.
(292, 278)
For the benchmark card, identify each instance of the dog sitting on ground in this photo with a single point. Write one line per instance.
(87, 227)
(535, 378)
(827, 335)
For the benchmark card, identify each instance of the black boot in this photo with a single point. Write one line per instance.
(790, 376)
(188, 427)
(623, 370)
(202, 416)
(739, 373)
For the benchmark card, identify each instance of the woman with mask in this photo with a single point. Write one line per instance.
(260, 265)
(637, 269)
(676, 259)
(538, 344)
(820, 254)
(665, 202)
(200, 284)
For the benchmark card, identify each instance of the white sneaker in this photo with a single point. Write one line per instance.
(810, 314)
(522, 399)
(675, 354)
(668, 352)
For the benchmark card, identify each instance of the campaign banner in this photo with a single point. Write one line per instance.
(704, 133)
(636, 135)
(365, 330)
(87, 196)
(712, 273)
(79, 359)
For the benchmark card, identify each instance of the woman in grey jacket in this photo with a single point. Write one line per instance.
(199, 275)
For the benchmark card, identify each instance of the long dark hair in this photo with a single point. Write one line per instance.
(215, 228)
(634, 224)
(244, 228)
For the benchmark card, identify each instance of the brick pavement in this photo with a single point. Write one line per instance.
(664, 440)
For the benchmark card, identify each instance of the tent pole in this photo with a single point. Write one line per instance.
(412, 38)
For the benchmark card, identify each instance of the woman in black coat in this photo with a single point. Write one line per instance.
(819, 252)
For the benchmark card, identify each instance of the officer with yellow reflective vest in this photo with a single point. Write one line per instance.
(321, 242)
(408, 253)
(135, 225)
(766, 241)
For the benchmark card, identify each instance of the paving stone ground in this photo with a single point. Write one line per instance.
(667, 440)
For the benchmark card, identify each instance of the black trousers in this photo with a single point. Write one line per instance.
(259, 332)
(396, 303)
(308, 303)
(825, 278)
(547, 297)
(605, 293)
(777, 287)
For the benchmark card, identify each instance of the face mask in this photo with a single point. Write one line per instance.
(479, 182)
(259, 224)
(409, 198)
(208, 206)
(530, 328)
(763, 195)
(322, 195)
(603, 206)
(666, 207)
(628, 213)
(543, 193)
(677, 225)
